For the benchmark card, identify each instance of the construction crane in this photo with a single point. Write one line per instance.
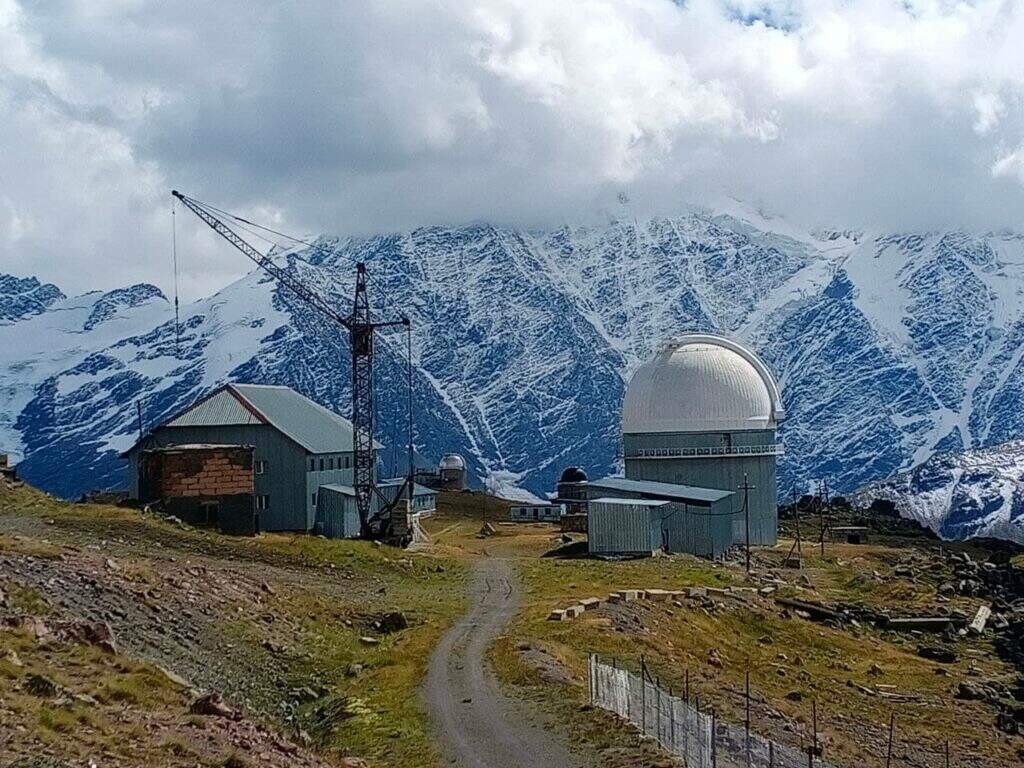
(361, 331)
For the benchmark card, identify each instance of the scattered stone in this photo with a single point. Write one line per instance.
(354, 669)
(795, 696)
(937, 653)
(367, 640)
(267, 588)
(395, 621)
(213, 705)
(40, 686)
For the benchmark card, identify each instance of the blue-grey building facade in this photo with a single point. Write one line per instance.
(298, 446)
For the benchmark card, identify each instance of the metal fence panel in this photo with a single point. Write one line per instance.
(682, 729)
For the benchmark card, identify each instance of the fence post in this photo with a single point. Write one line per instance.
(947, 753)
(672, 720)
(643, 697)
(747, 721)
(892, 729)
(590, 678)
(686, 688)
(714, 745)
(771, 754)
(814, 720)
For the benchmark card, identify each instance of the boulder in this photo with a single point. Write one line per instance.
(394, 621)
(213, 705)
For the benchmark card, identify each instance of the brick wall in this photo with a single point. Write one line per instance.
(223, 471)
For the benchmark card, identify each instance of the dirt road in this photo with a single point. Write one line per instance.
(478, 726)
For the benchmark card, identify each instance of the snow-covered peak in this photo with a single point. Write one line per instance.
(25, 296)
(962, 495)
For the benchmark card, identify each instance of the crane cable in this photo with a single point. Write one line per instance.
(174, 256)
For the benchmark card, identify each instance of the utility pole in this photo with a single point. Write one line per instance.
(822, 502)
(747, 488)
(138, 408)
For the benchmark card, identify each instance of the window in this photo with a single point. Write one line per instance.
(347, 462)
(314, 499)
(312, 464)
(259, 467)
(332, 462)
(262, 502)
(321, 465)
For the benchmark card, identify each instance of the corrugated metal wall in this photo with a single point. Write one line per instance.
(724, 472)
(698, 530)
(623, 528)
(336, 515)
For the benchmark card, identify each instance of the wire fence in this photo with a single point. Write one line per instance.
(680, 726)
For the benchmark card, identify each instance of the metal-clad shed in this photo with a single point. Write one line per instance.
(336, 514)
(618, 526)
(701, 531)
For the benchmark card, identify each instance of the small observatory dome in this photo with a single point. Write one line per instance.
(451, 461)
(701, 383)
(573, 475)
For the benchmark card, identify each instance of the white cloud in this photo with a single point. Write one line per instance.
(1010, 165)
(352, 116)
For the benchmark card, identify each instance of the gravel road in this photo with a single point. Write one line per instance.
(477, 725)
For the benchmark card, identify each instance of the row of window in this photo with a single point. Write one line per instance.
(332, 462)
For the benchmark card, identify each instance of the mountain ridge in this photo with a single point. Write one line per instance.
(888, 347)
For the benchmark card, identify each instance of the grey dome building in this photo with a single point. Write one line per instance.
(452, 472)
(703, 413)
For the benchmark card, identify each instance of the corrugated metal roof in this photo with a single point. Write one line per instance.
(195, 447)
(630, 502)
(668, 490)
(315, 428)
(342, 489)
(220, 409)
(417, 489)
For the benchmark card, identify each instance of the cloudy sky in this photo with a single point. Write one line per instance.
(353, 117)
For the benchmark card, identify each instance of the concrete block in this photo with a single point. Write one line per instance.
(658, 595)
(557, 615)
(978, 624)
(573, 611)
(590, 603)
(697, 592)
(629, 595)
(615, 597)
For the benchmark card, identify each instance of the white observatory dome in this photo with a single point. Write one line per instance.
(701, 383)
(452, 461)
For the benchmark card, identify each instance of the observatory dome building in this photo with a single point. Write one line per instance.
(704, 413)
(452, 472)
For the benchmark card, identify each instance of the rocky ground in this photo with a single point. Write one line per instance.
(840, 647)
(275, 650)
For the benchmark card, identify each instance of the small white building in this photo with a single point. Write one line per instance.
(542, 512)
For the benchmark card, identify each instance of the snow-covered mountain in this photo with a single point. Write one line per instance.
(888, 347)
(962, 495)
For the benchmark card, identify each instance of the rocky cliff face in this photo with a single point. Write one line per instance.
(888, 347)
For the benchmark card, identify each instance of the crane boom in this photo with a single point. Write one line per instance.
(263, 262)
(361, 329)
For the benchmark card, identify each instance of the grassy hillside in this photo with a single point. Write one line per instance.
(292, 630)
